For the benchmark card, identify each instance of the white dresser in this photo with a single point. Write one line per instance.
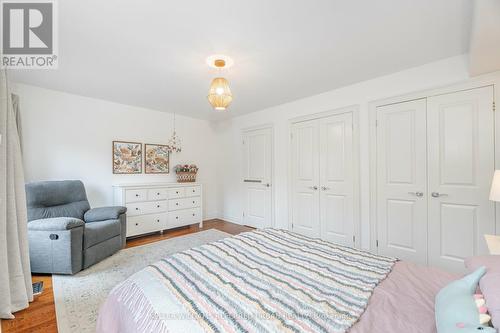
(158, 206)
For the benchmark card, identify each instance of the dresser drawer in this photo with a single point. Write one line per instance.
(150, 207)
(137, 225)
(184, 217)
(176, 192)
(158, 194)
(193, 191)
(192, 215)
(175, 204)
(136, 195)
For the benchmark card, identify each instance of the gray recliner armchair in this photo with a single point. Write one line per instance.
(65, 235)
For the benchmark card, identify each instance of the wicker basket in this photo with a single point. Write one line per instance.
(186, 177)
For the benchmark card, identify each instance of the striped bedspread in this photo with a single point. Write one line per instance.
(262, 281)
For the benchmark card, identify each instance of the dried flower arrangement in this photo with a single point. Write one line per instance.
(186, 173)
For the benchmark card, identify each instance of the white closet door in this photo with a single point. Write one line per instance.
(336, 179)
(305, 178)
(461, 166)
(401, 181)
(257, 177)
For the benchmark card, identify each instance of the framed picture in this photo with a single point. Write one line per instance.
(156, 158)
(127, 157)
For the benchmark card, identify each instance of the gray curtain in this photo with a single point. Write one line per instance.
(15, 272)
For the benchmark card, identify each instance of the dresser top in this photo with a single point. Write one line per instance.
(149, 185)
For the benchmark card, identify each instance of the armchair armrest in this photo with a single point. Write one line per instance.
(55, 224)
(104, 213)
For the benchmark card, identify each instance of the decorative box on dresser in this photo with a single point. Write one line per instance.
(158, 206)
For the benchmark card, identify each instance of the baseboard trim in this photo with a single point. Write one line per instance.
(211, 216)
(231, 219)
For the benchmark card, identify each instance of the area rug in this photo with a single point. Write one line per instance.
(78, 297)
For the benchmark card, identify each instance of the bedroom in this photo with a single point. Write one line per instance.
(249, 166)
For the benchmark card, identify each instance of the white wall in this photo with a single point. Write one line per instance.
(432, 75)
(69, 137)
(484, 50)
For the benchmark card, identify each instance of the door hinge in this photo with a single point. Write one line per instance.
(354, 239)
(243, 214)
(243, 141)
(376, 242)
(494, 107)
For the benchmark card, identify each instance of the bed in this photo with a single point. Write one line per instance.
(274, 280)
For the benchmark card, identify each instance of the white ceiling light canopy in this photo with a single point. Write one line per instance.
(228, 61)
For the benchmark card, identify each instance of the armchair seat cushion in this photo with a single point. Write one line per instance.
(104, 213)
(98, 232)
(55, 224)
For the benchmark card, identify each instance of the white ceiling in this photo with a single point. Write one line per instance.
(152, 53)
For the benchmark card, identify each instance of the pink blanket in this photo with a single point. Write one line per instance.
(404, 301)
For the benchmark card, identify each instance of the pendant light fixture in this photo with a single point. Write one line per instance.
(174, 144)
(219, 94)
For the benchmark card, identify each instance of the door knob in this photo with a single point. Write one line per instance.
(324, 188)
(266, 185)
(313, 188)
(418, 194)
(437, 194)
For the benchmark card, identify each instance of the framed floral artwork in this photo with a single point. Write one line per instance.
(156, 158)
(127, 157)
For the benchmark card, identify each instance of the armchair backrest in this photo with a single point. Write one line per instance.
(48, 199)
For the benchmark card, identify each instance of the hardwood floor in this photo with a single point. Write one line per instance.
(41, 314)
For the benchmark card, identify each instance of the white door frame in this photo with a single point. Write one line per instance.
(242, 133)
(492, 79)
(354, 109)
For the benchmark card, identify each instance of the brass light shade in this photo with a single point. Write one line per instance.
(219, 94)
